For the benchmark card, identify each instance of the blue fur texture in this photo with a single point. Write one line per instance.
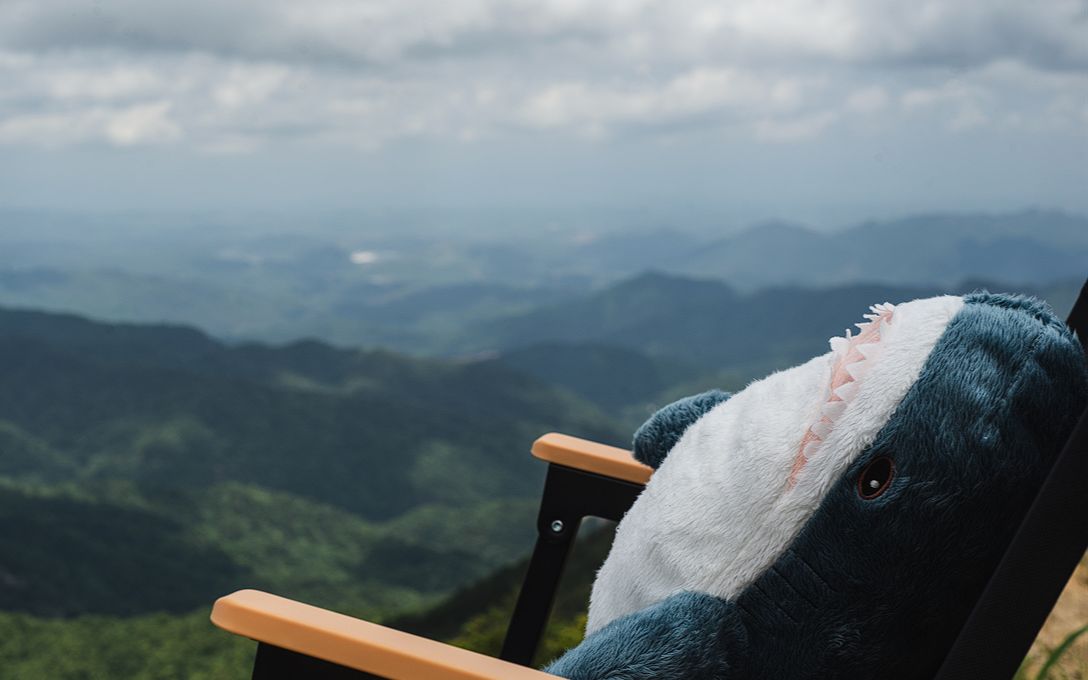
(689, 635)
(879, 588)
(659, 434)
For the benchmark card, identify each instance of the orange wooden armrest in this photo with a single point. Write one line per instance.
(582, 454)
(355, 643)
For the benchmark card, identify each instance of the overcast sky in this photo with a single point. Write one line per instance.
(819, 111)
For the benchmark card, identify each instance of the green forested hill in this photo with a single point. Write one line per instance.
(150, 469)
(360, 430)
(147, 469)
(611, 377)
(708, 324)
(373, 441)
(701, 322)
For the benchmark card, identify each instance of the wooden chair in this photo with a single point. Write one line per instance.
(584, 479)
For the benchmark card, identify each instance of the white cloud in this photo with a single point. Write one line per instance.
(968, 118)
(794, 129)
(867, 101)
(248, 85)
(724, 93)
(237, 76)
(951, 91)
(51, 130)
(364, 257)
(143, 124)
(111, 83)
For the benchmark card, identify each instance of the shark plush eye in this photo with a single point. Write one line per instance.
(876, 477)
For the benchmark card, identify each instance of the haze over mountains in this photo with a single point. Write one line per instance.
(941, 249)
(390, 286)
(146, 468)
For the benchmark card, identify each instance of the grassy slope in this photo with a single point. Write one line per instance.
(149, 647)
(1069, 616)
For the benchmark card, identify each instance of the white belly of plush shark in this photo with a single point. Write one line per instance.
(738, 486)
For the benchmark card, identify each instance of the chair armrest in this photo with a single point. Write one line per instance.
(355, 643)
(582, 454)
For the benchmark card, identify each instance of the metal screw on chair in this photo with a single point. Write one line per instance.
(557, 526)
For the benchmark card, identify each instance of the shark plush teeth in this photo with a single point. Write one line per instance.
(853, 355)
(837, 519)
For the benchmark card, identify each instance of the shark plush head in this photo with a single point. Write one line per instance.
(837, 519)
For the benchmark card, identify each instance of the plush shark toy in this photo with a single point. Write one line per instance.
(837, 519)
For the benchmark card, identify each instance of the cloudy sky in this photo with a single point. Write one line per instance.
(823, 111)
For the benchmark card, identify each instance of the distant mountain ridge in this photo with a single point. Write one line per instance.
(699, 321)
(707, 325)
(417, 293)
(1028, 247)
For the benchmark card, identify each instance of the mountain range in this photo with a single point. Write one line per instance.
(1030, 247)
(151, 467)
(147, 468)
(710, 325)
(388, 287)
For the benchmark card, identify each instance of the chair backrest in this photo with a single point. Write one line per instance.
(1037, 563)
